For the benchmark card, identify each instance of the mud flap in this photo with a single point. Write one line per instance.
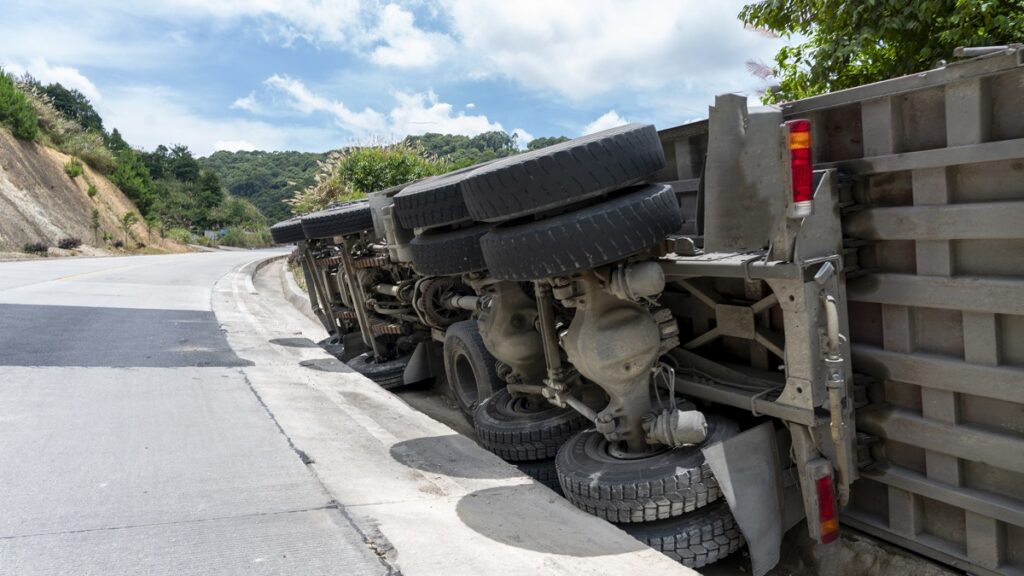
(749, 473)
(419, 367)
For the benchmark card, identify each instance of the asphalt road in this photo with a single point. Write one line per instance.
(131, 441)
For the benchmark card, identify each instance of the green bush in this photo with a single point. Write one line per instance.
(180, 235)
(36, 248)
(92, 191)
(69, 243)
(74, 168)
(16, 112)
(353, 173)
(240, 238)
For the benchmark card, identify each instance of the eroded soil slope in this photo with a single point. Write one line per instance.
(40, 202)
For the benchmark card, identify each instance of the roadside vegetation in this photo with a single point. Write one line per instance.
(168, 185)
(352, 173)
(16, 113)
(280, 183)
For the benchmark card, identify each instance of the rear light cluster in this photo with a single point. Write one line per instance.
(801, 168)
(828, 518)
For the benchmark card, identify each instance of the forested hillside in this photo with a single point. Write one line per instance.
(264, 178)
(175, 196)
(271, 179)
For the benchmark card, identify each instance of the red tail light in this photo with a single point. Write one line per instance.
(801, 166)
(828, 518)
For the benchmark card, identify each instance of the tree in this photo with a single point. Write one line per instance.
(264, 178)
(544, 142)
(132, 177)
(238, 212)
(116, 142)
(16, 112)
(127, 221)
(94, 223)
(183, 166)
(464, 151)
(150, 222)
(157, 162)
(74, 105)
(852, 43)
(209, 192)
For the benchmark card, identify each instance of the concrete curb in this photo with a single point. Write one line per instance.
(295, 295)
(427, 500)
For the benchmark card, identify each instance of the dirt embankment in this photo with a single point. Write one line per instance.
(39, 202)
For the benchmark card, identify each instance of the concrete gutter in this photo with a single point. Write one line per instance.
(428, 500)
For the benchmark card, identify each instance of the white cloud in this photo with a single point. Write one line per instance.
(416, 113)
(315, 21)
(609, 119)
(421, 113)
(470, 106)
(368, 121)
(522, 138)
(247, 103)
(233, 145)
(587, 48)
(65, 75)
(406, 46)
(151, 115)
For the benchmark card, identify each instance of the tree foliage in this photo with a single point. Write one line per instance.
(545, 141)
(74, 105)
(127, 221)
(462, 151)
(267, 179)
(238, 212)
(132, 177)
(16, 112)
(852, 43)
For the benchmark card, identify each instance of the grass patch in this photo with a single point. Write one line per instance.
(73, 168)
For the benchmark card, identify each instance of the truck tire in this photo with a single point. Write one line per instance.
(449, 252)
(516, 431)
(339, 221)
(696, 539)
(288, 231)
(433, 202)
(583, 239)
(387, 375)
(664, 485)
(563, 174)
(469, 366)
(542, 471)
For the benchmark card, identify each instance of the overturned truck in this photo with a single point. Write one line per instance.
(708, 334)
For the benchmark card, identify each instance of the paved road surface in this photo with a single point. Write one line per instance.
(131, 441)
(172, 415)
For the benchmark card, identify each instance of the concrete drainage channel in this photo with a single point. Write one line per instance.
(858, 554)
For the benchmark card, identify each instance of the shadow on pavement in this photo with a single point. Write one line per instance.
(451, 455)
(294, 342)
(538, 528)
(326, 365)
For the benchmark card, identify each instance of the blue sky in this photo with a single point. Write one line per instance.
(316, 75)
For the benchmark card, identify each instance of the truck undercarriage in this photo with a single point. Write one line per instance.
(674, 334)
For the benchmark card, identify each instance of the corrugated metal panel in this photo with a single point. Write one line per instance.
(934, 215)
